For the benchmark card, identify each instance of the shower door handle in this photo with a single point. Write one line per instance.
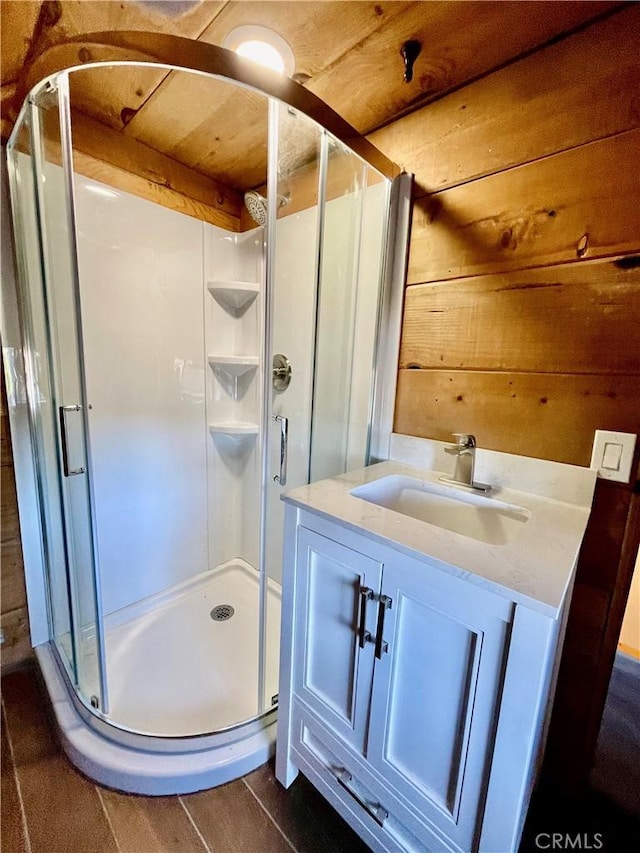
(281, 478)
(64, 439)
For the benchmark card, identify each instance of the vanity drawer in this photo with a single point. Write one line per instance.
(377, 814)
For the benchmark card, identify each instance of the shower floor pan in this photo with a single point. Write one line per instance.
(173, 670)
(181, 686)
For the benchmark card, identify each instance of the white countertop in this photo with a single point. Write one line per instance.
(535, 569)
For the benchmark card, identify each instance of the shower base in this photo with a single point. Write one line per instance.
(181, 685)
(173, 670)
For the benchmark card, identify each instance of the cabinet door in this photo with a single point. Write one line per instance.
(435, 693)
(332, 672)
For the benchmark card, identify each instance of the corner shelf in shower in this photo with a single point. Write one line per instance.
(234, 295)
(234, 366)
(234, 428)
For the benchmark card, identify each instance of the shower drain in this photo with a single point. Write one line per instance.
(222, 612)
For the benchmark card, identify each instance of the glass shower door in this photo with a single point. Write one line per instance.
(29, 387)
(350, 266)
(327, 221)
(294, 180)
(61, 304)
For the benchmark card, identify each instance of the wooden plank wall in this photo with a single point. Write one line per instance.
(522, 314)
(112, 158)
(13, 599)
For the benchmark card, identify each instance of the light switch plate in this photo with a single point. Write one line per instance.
(612, 454)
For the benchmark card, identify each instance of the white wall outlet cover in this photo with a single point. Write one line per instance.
(612, 454)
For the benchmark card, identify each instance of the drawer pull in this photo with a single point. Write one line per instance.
(377, 811)
(364, 636)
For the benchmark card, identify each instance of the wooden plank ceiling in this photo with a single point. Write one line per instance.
(346, 52)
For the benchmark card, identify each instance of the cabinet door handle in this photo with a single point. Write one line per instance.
(376, 810)
(364, 636)
(64, 440)
(281, 478)
(384, 603)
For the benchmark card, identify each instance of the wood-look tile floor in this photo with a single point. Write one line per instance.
(49, 807)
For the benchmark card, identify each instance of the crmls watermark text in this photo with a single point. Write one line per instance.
(569, 841)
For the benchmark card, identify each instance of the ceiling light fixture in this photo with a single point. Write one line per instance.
(263, 46)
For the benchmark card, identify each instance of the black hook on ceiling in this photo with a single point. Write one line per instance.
(410, 51)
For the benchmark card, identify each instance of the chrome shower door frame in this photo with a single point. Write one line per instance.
(58, 282)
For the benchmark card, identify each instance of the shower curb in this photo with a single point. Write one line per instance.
(139, 771)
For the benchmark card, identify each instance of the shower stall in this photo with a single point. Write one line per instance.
(171, 366)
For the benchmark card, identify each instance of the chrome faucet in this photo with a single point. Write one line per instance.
(465, 452)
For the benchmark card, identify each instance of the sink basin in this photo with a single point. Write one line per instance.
(477, 516)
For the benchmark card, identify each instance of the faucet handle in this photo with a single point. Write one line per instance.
(465, 439)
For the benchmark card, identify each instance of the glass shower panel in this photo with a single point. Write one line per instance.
(336, 360)
(37, 393)
(53, 176)
(373, 234)
(293, 283)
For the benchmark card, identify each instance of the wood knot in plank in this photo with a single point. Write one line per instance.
(50, 13)
(515, 230)
(126, 115)
(583, 245)
(506, 238)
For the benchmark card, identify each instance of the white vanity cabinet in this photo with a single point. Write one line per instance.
(401, 695)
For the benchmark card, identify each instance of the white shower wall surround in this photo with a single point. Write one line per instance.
(169, 491)
(140, 270)
(171, 499)
(233, 459)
